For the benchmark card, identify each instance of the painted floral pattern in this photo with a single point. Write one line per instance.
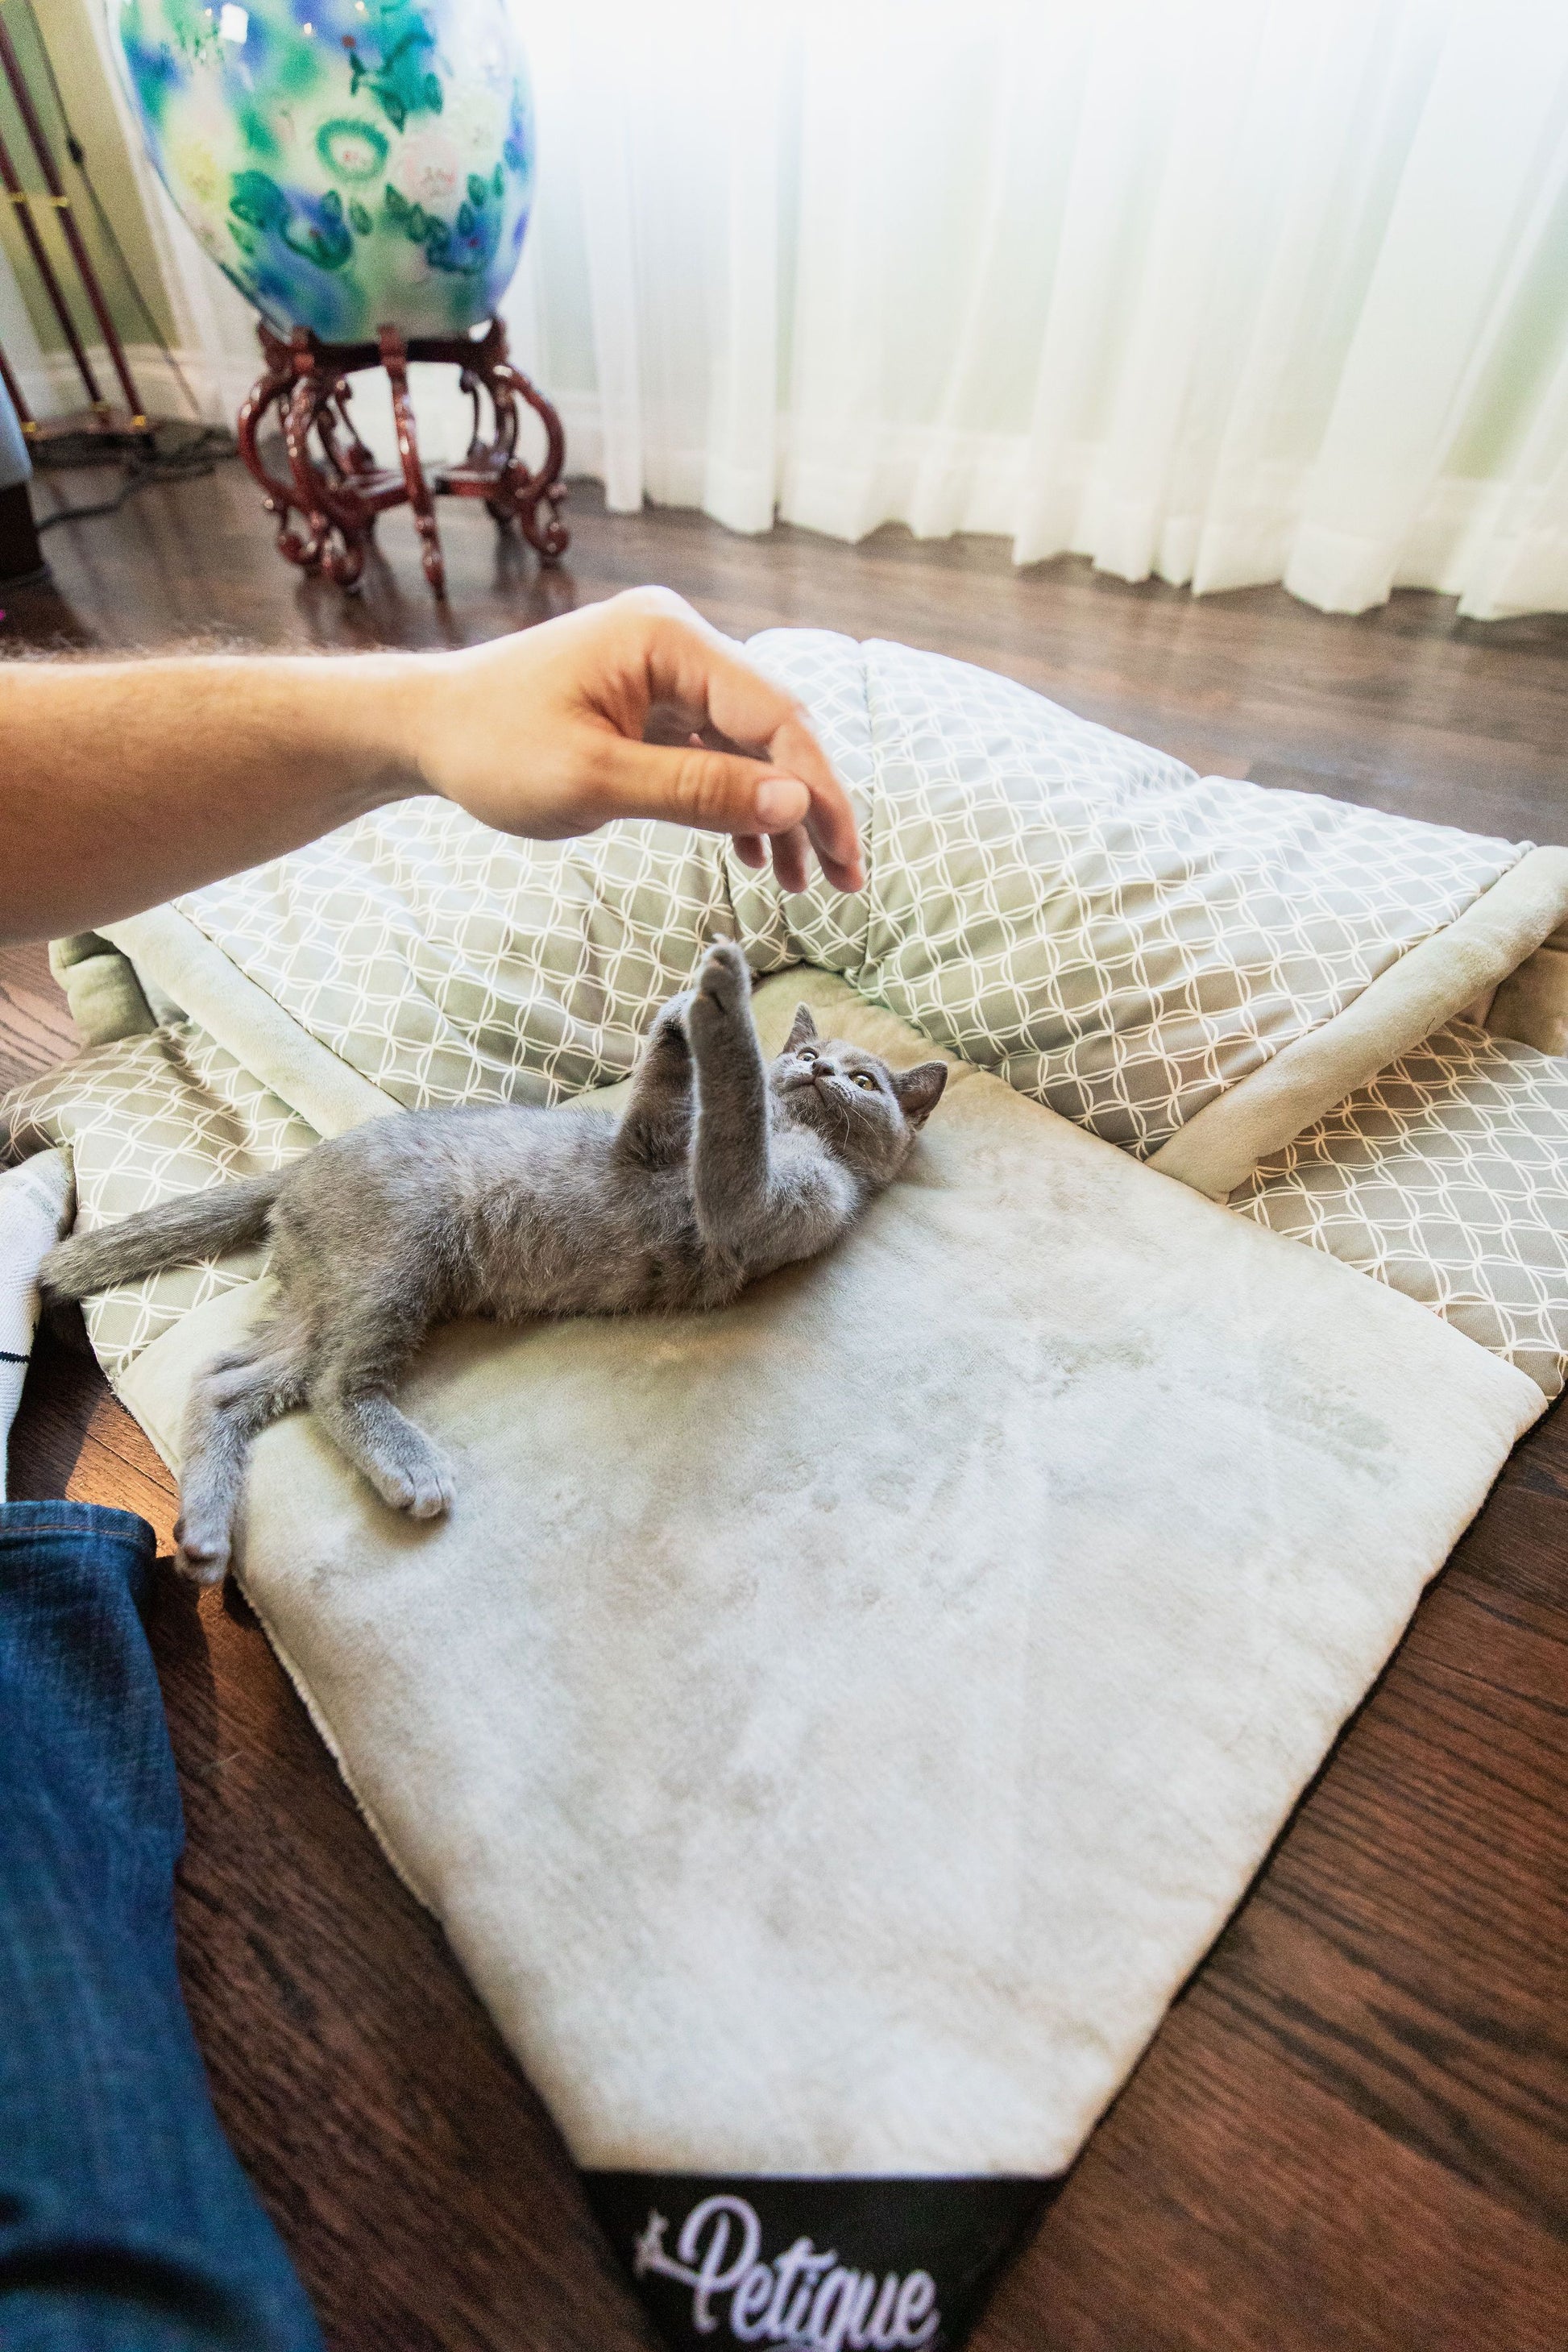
(347, 164)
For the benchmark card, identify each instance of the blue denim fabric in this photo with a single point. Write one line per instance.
(126, 2224)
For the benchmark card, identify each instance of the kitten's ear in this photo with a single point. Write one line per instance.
(804, 1027)
(920, 1090)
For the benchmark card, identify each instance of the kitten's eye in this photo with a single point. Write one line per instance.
(807, 1055)
(864, 1078)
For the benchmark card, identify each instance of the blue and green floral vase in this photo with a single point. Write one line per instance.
(348, 164)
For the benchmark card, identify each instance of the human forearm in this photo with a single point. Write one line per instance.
(128, 782)
(124, 783)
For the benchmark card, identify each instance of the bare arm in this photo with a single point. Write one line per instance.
(123, 783)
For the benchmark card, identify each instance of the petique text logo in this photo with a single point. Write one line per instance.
(801, 2299)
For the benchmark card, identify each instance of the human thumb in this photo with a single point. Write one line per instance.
(719, 792)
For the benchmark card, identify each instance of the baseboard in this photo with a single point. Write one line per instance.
(217, 387)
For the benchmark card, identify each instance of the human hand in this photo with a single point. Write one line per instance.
(630, 707)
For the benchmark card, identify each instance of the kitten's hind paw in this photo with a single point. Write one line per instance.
(725, 979)
(424, 1492)
(200, 1556)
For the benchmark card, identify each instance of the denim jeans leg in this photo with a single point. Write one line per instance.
(126, 2224)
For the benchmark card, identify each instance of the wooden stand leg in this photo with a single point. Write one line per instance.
(310, 395)
(353, 465)
(541, 498)
(269, 390)
(533, 499)
(394, 359)
(342, 519)
(340, 526)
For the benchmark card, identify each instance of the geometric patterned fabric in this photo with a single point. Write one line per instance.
(1118, 937)
(145, 1120)
(448, 964)
(1448, 1179)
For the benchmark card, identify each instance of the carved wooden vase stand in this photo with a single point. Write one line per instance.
(334, 484)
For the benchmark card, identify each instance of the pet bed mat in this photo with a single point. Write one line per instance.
(830, 1730)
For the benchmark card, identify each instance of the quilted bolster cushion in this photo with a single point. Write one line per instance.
(1116, 937)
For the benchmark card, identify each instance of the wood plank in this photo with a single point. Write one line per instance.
(1232, 2203)
(36, 1029)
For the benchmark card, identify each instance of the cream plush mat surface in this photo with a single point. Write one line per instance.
(829, 1730)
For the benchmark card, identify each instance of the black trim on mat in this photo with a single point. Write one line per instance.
(827, 2264)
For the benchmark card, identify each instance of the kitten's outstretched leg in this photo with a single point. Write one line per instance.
(233, 1400)
(350, 1397)
(762, 1207)
(729, 1154)
(657, 1127)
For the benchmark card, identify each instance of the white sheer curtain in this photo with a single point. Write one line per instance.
(1224, 291)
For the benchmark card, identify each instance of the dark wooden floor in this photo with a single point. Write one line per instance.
(1350, 2130)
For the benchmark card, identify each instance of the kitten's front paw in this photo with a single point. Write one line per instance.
(667, 1034)
(201, 1554)
(724, 982)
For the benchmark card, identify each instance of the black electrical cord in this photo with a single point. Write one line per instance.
(75, 149)
(184, 460)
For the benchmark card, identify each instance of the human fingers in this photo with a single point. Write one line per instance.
(792, 859)
(719, 792)
(830, 824)
(691, 665)
(750, 848)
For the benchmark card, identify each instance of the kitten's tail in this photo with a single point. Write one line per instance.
(197, 1225)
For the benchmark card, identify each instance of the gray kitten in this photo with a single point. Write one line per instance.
(410, 1219)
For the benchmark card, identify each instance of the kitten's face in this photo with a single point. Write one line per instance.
(865, 1113)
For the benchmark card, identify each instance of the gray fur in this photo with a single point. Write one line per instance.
(723, 1169)
(197, 1225)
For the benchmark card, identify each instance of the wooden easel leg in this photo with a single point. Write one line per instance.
(394, 359)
